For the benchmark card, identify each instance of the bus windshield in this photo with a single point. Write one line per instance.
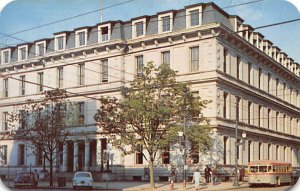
(258, 169)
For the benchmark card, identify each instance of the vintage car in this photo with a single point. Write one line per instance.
(82, 179)
(28, 179)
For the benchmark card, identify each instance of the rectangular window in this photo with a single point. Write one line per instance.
(81, 74)
(21, 154)
(5, 121)
(139, 29)
(166, 24)
(39, 156)
(225, 105)
(249, 73)
(194, 59)
(139, 154)
(277, 84)
(40, 82)
(81, 111)
(139, 65)
(3, 150)
(225, 149)
(41, 49)
(269, 151)
(260, 76)
(225, 60)
(249, 150)
(238, 149)
(277, 152)
(23, 53)
(249, 112)
(269, 118)
(5, 87)
(165, 156)
(81, 38)
(260, 121)
(60, 43)
(276, 121)
(238, 60)
(22, 85)
(6, 57)
(104, 34)
(166, 57)
(22, 119)
(259, 151)
(269, 83)
(104, 70)
(60, 77)
(194, 17)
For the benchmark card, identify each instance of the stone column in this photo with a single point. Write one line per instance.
(65, 157)
(75, 163)
(87, 155)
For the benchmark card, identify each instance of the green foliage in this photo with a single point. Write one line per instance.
(151, 107)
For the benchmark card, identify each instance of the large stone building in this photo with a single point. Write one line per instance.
(223, 58)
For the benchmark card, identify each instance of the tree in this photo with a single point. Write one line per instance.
(154, 103)
(44, 124)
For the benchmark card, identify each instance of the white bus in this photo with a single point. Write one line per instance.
(269, 172)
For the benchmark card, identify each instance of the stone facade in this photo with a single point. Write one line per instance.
(224, 60)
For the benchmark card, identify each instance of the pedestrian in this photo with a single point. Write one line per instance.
(196, 179)
(213, 175)
(173, 174)
(242, 174)
(37, 174)
(207, 174)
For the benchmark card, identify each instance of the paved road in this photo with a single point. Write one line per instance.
(281, 188)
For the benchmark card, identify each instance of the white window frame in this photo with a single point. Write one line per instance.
(40, 81)
(77, 43)
(162, 57)
(2, 56)
(160, 22)
(188, 16)
(56, 42)
(20, 52)
(100, 32)
(5, 121)
(81, 74)
(37, 48)
(134, 22)
(60, 79)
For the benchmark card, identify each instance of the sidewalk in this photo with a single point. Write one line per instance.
(136, 186)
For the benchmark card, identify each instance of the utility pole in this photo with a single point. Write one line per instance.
(236, 180)
(184, 139)
(101, 12)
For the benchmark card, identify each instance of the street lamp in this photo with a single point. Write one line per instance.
(182, 134)
(236, 181)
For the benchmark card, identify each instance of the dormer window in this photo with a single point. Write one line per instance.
(139, 28)
(40, 48)
(193, 16)
(81, 37)
(60, 42)
(104, 32)
(5, 56)
(165, 23)
(22, 52)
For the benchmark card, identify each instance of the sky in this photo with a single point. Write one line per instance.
(19, 15)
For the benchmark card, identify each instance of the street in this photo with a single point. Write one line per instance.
(265, 188)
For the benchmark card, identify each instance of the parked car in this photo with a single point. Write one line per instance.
(28, 179)
(82, 179)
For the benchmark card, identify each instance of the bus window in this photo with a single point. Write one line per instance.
(253, 168)
(275, 169)
(262, 168)
(269, 168)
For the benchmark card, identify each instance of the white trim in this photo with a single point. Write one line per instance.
(143, 20)
(188, 16)
(37, 50)
(160, 22)
(100, 39)
(2, 55)
(56, 42)
(19, 52)
(77, 44)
